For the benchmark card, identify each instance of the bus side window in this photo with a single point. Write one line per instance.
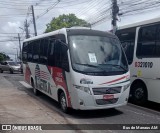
(51, 61)
(146, 46)
(25, 49)
(29, 53)
(158, 42)
(57, 49)
(36, 51)
(61, 56)
(43, 51)
(64, 58)
(127, 38)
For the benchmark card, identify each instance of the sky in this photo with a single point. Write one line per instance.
(13, 14)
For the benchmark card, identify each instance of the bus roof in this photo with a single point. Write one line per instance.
(63, 31)
(45, 35)
(155, 20)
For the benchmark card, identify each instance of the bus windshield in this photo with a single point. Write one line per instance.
(97, 54)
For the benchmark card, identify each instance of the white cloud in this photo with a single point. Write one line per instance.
(11, 27)
(14, 24)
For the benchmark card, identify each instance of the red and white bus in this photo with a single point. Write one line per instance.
(80, 68)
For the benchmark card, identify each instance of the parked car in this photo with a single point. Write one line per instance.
(21, 65)
(10, 66)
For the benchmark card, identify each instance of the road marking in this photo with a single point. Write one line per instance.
(25, 84)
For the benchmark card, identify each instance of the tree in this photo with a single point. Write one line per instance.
(66, 21)
(3, 57)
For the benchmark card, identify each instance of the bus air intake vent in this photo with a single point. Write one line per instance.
(107, 90)
(109, 101)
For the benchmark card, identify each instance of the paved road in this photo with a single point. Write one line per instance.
(48, 111)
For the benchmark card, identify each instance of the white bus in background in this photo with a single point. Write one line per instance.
(80, 68)
(141, 42)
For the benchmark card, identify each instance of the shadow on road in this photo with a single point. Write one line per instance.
(80, 114)
(150, 105)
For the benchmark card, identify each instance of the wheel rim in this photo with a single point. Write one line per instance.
(63, 103)
(139, 93)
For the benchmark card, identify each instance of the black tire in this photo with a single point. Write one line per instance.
(1, 70)
(63, 103)
(11, 71)
(35, 91)
(139, 94)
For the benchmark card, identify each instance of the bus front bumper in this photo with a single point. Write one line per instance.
(95, 102)
(101, 107)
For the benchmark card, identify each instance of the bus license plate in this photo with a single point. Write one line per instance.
(108, 97)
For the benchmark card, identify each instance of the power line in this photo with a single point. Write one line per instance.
(11, 15)
(146, 6)
(90, 5)
(102, 12)
(101, 20)
(8, 40)
(46, 11)
(8, 33)
(17, 8)
(139, 4)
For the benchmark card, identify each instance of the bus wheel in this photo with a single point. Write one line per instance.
(139, 94)
(35, 91)
(63, 102)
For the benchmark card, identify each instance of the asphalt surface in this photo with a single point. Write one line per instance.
(130, 114)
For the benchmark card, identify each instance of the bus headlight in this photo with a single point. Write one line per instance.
(85, 89)
(126, 86)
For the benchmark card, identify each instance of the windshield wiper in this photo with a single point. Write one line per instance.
(115, 66)
(90, 65)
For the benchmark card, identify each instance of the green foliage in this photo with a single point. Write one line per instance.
(66, 21)
(3, 57)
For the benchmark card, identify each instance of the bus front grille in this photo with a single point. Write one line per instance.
(109, 101)
(107, 90)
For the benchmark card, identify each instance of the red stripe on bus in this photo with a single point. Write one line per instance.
(58, 78)
(112, 81)
(27, 73)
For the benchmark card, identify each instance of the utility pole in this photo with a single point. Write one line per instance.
(34, 22)
(20, 51)
(26, 25)
(17, 54)
(15, 57)
(115, 10)
(19, 40)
